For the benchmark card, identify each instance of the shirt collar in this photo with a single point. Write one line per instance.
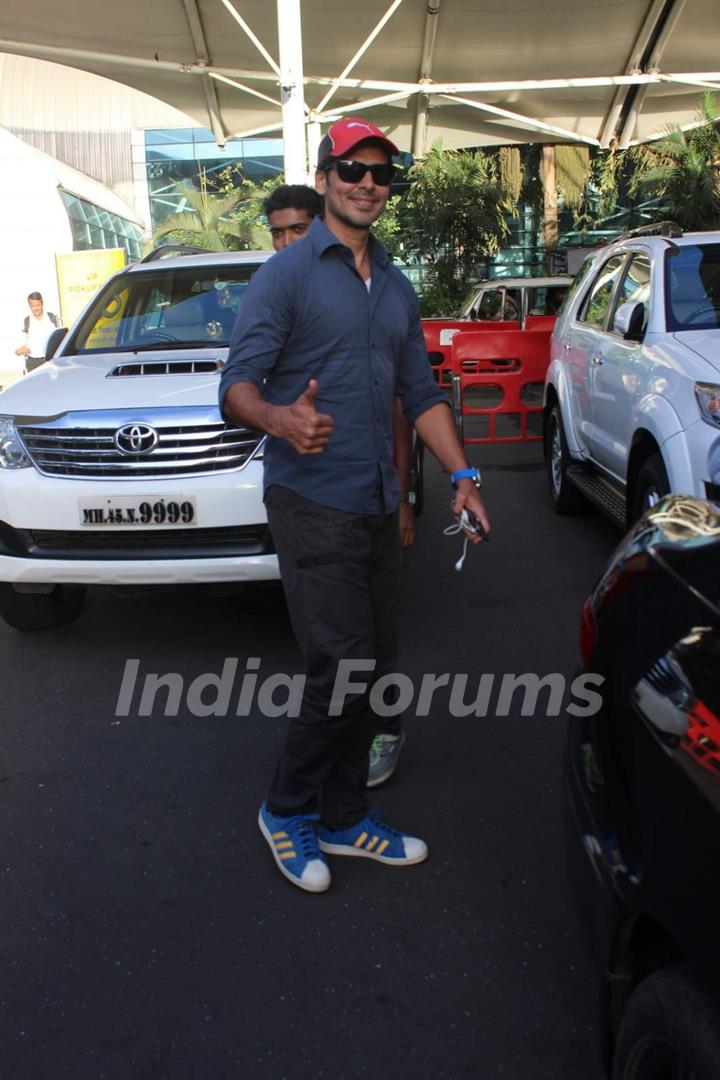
(322, 239)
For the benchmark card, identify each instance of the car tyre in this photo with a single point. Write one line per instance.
(670, 1027)
(651, 485)
(564, 496)
(41, 611)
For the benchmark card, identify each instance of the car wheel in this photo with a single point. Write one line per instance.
(669, 1029)
(417, 475)
(564, 497)
(651, 485)
(41, 611)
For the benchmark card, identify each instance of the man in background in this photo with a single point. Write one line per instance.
(289, 211)
(37, 328)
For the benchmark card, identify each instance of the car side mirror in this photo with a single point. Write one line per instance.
(629, 319)
(55, 341)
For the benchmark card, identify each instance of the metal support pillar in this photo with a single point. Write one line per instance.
(422, 104)
(292, 90)
(420, 126)
(314, 136)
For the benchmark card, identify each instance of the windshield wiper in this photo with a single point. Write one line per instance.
(175, 346)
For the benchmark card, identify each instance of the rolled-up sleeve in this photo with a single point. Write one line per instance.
(260, 332)
(416, 386)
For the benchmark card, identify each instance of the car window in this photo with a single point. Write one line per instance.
(596, 306)
(513, 305)
(103, 333)
(546, 299)
(490, 306)
(468, 308)
(579, 280)
(692, 282)
(537, 298)
(155, 309)
(635, 287)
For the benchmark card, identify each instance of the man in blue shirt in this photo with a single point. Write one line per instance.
(328, 336)
(289, 211)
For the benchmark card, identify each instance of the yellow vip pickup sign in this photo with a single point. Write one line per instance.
(80, 274)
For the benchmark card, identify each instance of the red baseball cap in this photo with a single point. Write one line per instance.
(344, 134)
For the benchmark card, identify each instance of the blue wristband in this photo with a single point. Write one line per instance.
(467, 474)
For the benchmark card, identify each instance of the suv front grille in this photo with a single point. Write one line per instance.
(220, 542)
(183, 449)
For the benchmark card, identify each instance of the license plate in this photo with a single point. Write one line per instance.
(135, 510)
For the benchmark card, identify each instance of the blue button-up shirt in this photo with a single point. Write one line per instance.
(307, 313)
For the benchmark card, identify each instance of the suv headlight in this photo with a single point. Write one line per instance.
(708, 399)
(12, 452)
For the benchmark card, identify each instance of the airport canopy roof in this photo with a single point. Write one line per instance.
(472, 72)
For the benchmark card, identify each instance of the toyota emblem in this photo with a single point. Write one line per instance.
(136, 439)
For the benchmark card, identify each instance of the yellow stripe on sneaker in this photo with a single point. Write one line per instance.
(361, 839)
(279, 836)
(382, 847)
(286, 855)
(280, 844)
(373, 842)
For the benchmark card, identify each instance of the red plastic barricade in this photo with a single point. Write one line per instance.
(540, 322)
(497, 384)
(438, 339)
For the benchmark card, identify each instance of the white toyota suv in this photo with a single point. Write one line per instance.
(632, 393)
(116, 467)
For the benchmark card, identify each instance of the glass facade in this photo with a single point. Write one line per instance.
(178, 155)
(524, 253)
(94, 228)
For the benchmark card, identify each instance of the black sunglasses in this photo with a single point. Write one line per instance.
(352, 172)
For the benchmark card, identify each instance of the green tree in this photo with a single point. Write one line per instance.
(387, 228)
(453, 213)
(248, 215)
(213, 220)
(684, 168)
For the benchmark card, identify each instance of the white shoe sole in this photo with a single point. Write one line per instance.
(306, 886)
(381, 779)
(348, 849)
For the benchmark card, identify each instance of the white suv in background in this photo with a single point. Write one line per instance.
(116, 467)
(632, 393)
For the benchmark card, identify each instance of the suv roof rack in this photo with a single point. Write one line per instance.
(668, 229)
(170, 251)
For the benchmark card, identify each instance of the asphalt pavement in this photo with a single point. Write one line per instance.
(145, 933)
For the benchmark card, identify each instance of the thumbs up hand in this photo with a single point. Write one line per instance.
(302, 425)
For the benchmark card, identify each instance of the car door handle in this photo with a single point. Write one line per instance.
(597, 360)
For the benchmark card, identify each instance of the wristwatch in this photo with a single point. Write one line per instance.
(469, 474)
(408, 497)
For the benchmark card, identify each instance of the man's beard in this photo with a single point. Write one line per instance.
(342, 215)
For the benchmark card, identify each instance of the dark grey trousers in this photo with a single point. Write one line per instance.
(340, 573)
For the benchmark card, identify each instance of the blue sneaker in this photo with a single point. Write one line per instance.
(372, 839)
(294, 844)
